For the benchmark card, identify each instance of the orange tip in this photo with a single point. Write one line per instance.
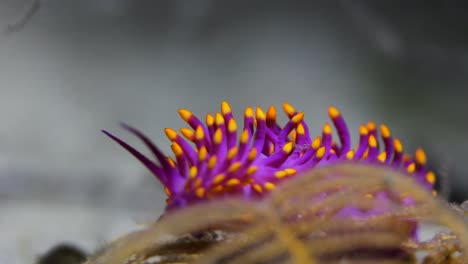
(244, 136)
(170, 133)
(198, 182)
(430, 177)
(218, 136)
(272, 148)
(248, 112)
(371, 125)
(300, 129)
(257, 188)
(219, 119)
(171, 162)
(271, 113)
(384, 131)
(235, 166)
(420, 156)
(225, 108)
(288, 147)
(212, 162)
(316, 143)
(233, 182)
(210, 119)
(202, 153)
(366, 154)
(219, 178)
(232, 126)
(298, 118)
(200, 192)
(327, 129)
(269, 186)
(333, 112)
(193, 172)
(281, 174)
(185, 114)
(188, 133)
(289, 109)
(252, 154)
(232, 153)
(363, 131)
(259, 113)
(372, 141)
(320, 152)
(398, 146)
(293, 135)
(217, 189)
(177, 149)
(382, 157)
(290, 171)
(251, 170)
(199, 133)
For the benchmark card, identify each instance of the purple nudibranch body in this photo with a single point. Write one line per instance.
(211, 161)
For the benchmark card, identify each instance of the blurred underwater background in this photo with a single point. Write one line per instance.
(71, 68)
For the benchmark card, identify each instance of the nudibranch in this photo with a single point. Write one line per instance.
(214, 160)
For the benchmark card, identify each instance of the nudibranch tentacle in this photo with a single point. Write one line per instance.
(222, 163)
